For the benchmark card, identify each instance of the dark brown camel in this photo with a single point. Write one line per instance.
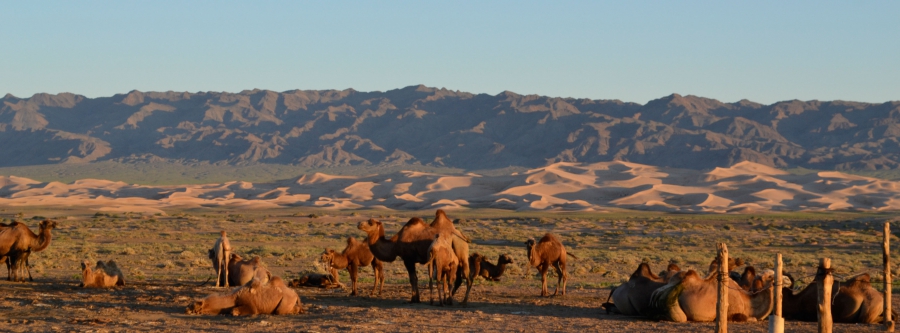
(411, 245)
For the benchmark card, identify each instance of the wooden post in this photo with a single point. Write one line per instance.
(776, 321)
(722, 303)
(886, 249)
(824, 288)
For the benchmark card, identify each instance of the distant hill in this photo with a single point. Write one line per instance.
(443, 128)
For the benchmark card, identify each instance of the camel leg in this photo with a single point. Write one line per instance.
(466, 274)
(243, 310)
(225, 260)
(560, 279)
(378, 267)
(543, 268)
(354, 272)
(413, 280)
(28, 269)
(430, 288)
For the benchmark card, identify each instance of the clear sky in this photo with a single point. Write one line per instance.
(765, 51)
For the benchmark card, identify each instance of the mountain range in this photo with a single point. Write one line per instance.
(440, 127)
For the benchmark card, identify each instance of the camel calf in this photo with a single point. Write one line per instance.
(355, 255)
(481, 267)
(549, 251)
(316, 280)
(444, 261)
(103, 275)
(255, 297)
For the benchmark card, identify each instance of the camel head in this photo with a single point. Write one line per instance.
(85, 264)
(504, 259)
(327, 257)
(234, 257)
(222, 233)
(47, 224)
(529, 247)
(372, 227)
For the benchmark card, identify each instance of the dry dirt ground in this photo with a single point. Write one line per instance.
(164, 260)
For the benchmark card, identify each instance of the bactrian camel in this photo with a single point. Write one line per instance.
(16, 244)
(220, 254)
(546, 252)
(411, 245)
(354, 256)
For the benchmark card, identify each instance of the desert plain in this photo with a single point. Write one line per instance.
(160, 235)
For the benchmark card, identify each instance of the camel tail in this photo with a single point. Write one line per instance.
(572, 255)
(205, 282)
(611, 291)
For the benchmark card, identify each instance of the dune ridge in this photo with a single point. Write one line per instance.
(566, 186)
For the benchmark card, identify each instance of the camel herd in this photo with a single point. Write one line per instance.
(672, 294)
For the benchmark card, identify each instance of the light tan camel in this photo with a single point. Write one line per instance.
(855, 301)
(355, 255)
(253, 298)
(689, 297)
(633, 297)
(241, 271)
(411, 245)
(444, 262)
(103, 275)
(17, 242)
(549, 251)
(220, 254)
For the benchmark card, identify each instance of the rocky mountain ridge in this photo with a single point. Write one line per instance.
(440, 127)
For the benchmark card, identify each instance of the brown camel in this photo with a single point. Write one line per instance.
(316, 280)
(103, 275)
(355, 255)
(220, 255)
(549, 251)
(255, 297)
(16, 244)
(689, 297)
(241, 271)
(411, 245)
(855, 301)
(633, 297)
(479, 266)
(444, 262)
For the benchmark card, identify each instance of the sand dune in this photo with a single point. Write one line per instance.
(744, 187)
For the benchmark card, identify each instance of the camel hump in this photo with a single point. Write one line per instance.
(673, 268)
(222, 233)
(256, 259)
(415, 221)
(112, 264)
(691, 275)
(644, 270)
(236, 257)
(548, 238)
(352, 241)
(440, 213)
(862, 278)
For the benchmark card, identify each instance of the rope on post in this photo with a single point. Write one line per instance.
(776, 320)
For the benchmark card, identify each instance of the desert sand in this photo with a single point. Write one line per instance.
(743, 187)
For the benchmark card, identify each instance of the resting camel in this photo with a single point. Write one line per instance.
(241, 271)
(479, 266)
(316, 280)
(443, 260)
(355, 255)
(549, 251)
(103, 275)
(16, 244)
(411, 245)
(220, 255)
(855, 301)
(689, 297)
(255, 297)
(633, 297)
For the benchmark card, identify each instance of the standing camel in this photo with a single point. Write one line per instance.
(354, 256)
(549, 251)
(411, 245)
(16, 244)
(221, 255)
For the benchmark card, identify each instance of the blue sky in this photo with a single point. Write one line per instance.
(765, 51)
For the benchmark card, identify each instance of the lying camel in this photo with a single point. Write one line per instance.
(444, 263)
(316, 280)
(479, 266)
(220, 255)
(256, 297)
(549, 251)
(855, 301)
(689, 297)
(241, 271)
(103, 275)
(355, 255)
(633, 297)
